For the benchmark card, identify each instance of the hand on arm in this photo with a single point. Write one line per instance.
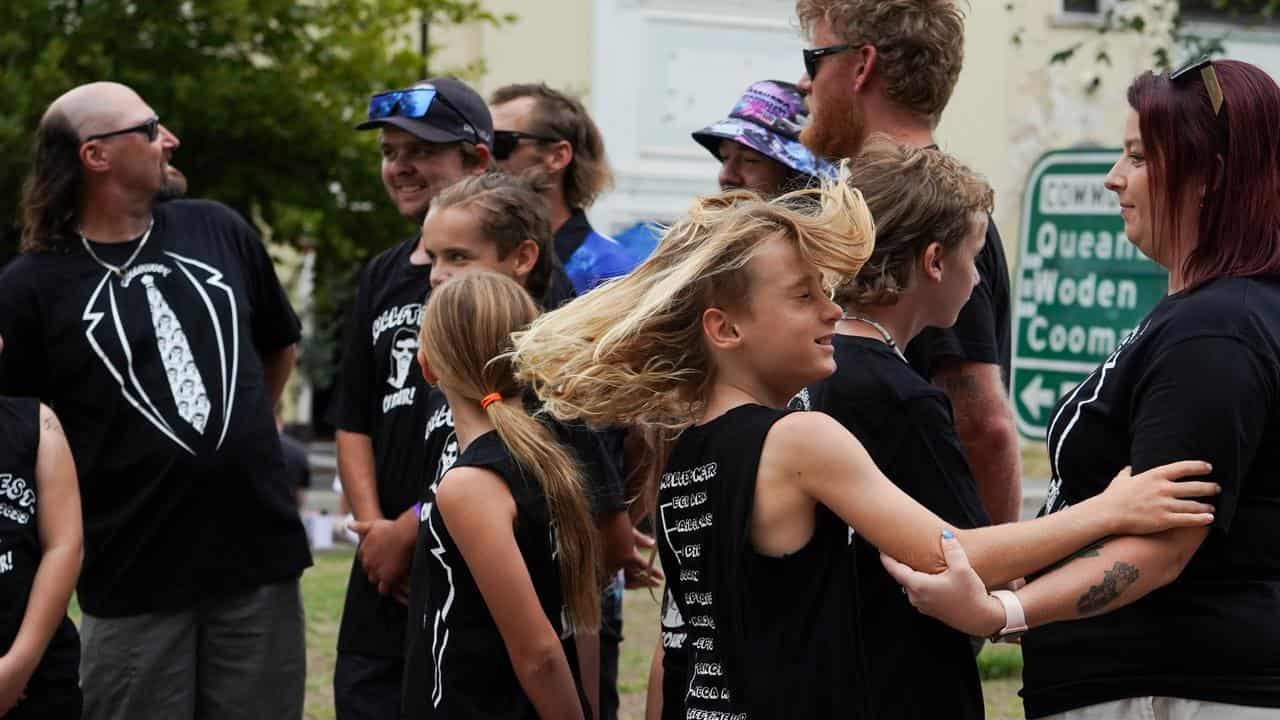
(984, 423)
(480, 513)
(1100, 578)
(1141, 504)
(816, 455)
(62, 544)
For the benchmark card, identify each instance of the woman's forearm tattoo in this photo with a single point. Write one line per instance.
(1114, 581)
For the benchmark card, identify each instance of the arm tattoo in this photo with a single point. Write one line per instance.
(1114, 581)
(51, 424)
(957, 384)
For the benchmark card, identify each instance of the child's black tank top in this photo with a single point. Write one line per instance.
(469, 672)
(769, 637)
(21, 551)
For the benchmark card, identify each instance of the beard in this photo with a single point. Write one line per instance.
(173, 186)
(837, 129)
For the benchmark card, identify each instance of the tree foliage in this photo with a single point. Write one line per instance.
(1170, 26)
(263, 95)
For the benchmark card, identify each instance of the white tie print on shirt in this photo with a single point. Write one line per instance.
(179, 364)
(116, 338)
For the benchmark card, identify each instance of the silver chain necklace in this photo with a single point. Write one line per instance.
(119, 270)
(884, 332)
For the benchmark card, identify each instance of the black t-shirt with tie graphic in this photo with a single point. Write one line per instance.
(157, 375)
(382, 394)
(1198, 379)
(20, 555)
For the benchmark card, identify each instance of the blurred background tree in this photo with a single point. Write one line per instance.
(1174, 28)
(263, 95)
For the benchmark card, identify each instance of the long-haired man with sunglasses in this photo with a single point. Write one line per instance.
(162, 337)
(430, 136)
(549, 138)
(890, 66)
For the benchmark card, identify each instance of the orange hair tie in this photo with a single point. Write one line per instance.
(489, 399)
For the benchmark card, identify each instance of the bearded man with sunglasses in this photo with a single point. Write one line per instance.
(162, 337)
(890, 66)
(430, 136)
(548, 138)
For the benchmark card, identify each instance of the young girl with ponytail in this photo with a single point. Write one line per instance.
(514, 564)
(711, 336)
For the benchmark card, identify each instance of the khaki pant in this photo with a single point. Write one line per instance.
(1165, 708)
(238, 657)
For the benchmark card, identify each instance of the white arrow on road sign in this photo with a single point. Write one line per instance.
(1036, 397)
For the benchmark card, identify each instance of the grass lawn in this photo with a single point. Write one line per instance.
(324, 587)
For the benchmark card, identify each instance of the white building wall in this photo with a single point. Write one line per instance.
(652, 71)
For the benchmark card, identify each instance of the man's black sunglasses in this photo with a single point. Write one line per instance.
(150, 128)
(505, 141)
(1207, 74)
(812, 56)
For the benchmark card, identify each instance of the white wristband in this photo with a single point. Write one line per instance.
(1015, 618)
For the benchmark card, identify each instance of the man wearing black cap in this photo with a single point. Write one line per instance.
(431, 135)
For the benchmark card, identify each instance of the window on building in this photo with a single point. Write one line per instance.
(1089, 11)
(1081, 7)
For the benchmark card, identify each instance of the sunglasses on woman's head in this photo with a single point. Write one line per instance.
(1207, 74)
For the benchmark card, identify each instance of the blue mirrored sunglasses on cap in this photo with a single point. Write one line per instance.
(411, 103)
(414, 103)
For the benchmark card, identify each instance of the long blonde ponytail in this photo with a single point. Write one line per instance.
(466, 331)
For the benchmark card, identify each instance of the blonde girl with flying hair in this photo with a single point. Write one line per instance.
(515, 564)
(710, 337)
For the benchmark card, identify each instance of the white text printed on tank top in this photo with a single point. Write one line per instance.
(684, 518)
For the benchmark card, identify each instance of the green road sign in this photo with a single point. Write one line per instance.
(1081, 284)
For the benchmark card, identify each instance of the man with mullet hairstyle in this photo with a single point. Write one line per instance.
(890, 66)
(160, 335)
(549, 139)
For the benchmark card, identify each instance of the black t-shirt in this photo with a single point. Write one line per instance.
(20, 550)
(158, 379)
(917, 667)
(600, 472)
(1199, 378)
(982, 330)
(468, 672)
(382, 394)
(768, 637)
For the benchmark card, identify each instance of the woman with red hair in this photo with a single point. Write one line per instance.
(1185, 623)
